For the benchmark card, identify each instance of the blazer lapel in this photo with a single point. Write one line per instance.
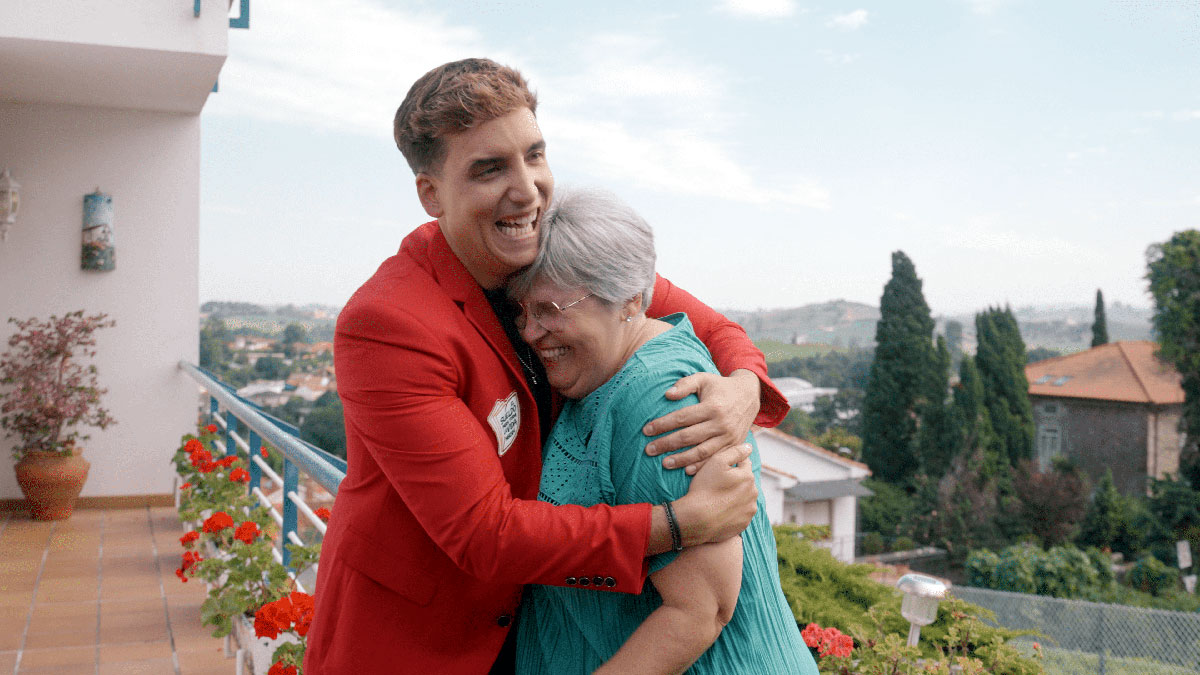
(458, 283)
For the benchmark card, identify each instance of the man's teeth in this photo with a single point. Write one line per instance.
(551, 354)
(517, 228)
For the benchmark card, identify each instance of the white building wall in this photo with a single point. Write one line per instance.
(149, 163)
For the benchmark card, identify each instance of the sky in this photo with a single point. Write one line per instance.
(1018, 151)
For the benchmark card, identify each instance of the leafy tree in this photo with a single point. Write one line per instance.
(1052, 502)
(969, 415)
(1000, 359)
(325, 427)
(899, 380)
(937, 440)
(799, 424)
(1041, 354)
(214, 354)
(836, 438)
(1174, 276)
(889, 511)
(271, 368)
(1108, 522)
(293, 333)
(1099, 325)
(1174, 509)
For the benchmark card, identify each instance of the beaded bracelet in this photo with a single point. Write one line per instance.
(676, 537)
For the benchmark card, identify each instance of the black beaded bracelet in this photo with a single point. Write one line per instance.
(676, 537)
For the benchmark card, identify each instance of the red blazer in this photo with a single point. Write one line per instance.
(437, 526)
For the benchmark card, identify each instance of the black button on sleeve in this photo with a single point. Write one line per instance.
(584, 581)
(570, 581)
(610, 582)
(598, 580)
(503, 620)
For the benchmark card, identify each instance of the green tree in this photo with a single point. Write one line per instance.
(1052, 502)
(969, 415)
(293, 333)
(325, 427)
(899, 380)
(214, 354)
(937, 440)
(1000, 359)
(1174, 276)
(271, 368)
(1108, 521)
(1100, 324)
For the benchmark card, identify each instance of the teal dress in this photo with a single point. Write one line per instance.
(595, 456)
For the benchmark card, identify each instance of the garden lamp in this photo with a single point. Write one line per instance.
(920, 604)
(10, 193)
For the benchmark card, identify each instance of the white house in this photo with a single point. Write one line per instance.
(801, 393)
(806, 484)
(102, 94)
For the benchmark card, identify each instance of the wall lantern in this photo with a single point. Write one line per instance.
(98, 252)
(920, 604)
(10, 201)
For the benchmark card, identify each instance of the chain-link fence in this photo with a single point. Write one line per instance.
(1080, 637)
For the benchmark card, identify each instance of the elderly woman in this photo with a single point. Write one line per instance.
(716, 608)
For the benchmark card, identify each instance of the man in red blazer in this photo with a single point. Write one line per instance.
(437, 526)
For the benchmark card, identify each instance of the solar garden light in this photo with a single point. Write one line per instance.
(920, 604)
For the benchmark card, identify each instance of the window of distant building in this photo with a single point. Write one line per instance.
(1060, 381)
(1049, 445)
(1050, 409)
(1043, 379)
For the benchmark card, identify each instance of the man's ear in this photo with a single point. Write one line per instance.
(427, 192)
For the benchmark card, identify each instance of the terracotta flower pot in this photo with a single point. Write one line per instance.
(51, 482)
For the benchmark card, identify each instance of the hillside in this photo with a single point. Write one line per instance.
(841, 323)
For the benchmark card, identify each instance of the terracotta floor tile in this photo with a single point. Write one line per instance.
(58, 639)
(56, 670)
(135, 651)
(54, 594)
(83, 624)
(8, 661)
(24, 566)
(131, 606)
(16, 598)
(146, 667)
(83, 569)
(70, 656)
(138, 629)
(143, 591)
(209, 660)
(10, 641)
(77, 584)
(60, 610)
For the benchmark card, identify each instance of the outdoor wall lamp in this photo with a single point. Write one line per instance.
(920, 604)
(10, 201)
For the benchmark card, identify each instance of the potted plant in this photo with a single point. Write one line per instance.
(46, 391)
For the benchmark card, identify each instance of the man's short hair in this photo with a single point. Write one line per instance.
(451, 99)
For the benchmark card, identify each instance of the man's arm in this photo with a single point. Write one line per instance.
(728, 405)
(400, 401)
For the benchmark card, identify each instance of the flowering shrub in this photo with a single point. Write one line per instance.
(50, 390)
(241, 569)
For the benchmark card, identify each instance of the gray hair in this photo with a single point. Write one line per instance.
(591, 239)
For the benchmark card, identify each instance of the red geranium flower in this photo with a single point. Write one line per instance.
(217, 522)
(323, 513)
(212, 428)
(239, 475)
(842, 645)
(188, 538)
(199, 457)
(190, 558)
(278, 668)
(265, 454)
(185, 486)
(811, 635)
(247, 532)
(227, 461)
(302, 611)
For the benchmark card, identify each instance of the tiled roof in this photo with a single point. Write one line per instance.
(811, 447)
(1117, 371)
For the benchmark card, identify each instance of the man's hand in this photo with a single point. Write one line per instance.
(727, 408)
(721, 499)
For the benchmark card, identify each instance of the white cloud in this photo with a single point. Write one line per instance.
(986, 7)
(1186, 115)
(830, 56)
(759, 9)
(852, 21)
(987, 233)
(616, 106)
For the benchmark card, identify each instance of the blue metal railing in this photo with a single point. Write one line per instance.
(233, 414)
(242, 20)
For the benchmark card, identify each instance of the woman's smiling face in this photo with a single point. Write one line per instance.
(589, 346)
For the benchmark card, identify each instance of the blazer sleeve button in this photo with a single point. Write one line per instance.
(570, 581)
(503, 620)
(584, 581)
(598, 580)
(610, 582)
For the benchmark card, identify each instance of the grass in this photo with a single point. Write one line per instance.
(1068, 662)
(782, 351)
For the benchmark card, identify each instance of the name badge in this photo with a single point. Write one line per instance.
(505, 420)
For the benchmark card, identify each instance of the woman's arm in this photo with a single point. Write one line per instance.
(699, 590)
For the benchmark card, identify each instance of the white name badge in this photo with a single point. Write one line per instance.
(505, 419)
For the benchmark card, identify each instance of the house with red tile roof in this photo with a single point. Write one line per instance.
(806, 484)
(1114, 406)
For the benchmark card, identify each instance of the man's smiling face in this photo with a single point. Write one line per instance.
(489, 196)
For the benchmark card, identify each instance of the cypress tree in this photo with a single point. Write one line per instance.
(1100, 324)
(969, 410)
(937, 440)
(899, 380)
(1000, 359)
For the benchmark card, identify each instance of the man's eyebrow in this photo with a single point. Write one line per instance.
(486, 163)
(540, 145)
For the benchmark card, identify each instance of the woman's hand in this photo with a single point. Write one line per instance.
(727, 408)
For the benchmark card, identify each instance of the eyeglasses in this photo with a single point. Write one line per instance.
(546, 314)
